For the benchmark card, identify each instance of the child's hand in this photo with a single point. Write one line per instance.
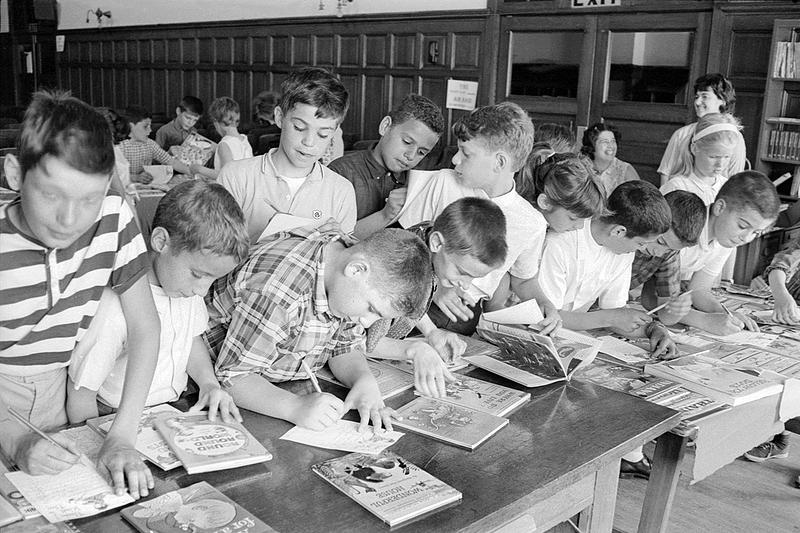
(628, 319)
(721, 324)
(446, 343)
(677, 308)
(122, 463)
(317, 410)
(394, 203)
(430, 373)
(661, 343)
(747, 322)
(216, 400)
(758, 284)
(142, 177)
(786, 310)
(451, 304)
(552, 321)
(37, 457)
(195, 168)
(365, 396)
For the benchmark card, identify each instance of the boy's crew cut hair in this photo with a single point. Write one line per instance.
(134, 114)
(566, 180)
(558, 136)
(59, 125)
(504, 126)
(203, 217)
(640, 207)
(721, 87)
(316, 87)
(192, 104)
(592, 133)
(417, 107)
(689, 215)
(401, 268)
(751, 189)
(474, 227)
(224, 110)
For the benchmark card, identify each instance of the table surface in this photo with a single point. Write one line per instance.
(564, 433)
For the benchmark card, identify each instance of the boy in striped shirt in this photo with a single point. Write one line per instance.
(63, 239)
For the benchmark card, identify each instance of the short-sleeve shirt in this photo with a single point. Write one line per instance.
(140, 153)
(706, 256)
(273, 309)
(705, 188)
(371, 180)
(664, 269)
(171, 134)
(261, 193)
(679, 144)
(576, 271)
(239, 147)
(49, 296)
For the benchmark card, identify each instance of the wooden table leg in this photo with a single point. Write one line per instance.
(599, 518)
(663, 481)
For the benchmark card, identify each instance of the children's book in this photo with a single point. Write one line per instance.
(388, 486)
(194, 149)
(623, 351)
(391, 380)
(13, 496)
(611, 375)
(531, 359)
(717, 380)
(199, 508)
(695, 406)
(447, 422)
(8, 512)
(484, 396)
(148, 442)
(205, 446)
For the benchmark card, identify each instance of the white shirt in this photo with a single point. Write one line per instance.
(705, 188)
(238, 145)
(576, 271)
(705, 256)
(99, 360)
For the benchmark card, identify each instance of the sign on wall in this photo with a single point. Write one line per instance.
(596, 3)
(462, 94)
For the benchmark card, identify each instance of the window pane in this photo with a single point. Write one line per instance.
(649, 67)
(545, 64)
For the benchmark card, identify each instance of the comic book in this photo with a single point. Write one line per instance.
(484, 396)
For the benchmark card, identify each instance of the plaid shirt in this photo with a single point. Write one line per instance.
(272, 310)
(139, 154)
(665, 269)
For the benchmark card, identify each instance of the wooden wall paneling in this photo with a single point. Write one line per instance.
(107, 75)
(120, 52)
(375, 90)
(205, 50)
(159, 51)
(85, 89)
(132, 51)
(223, 52)
(350, 51)
(174, 54)
(122, 87)
(466, 50)
(281, 51)
(302, 51)
(405, 51)
(205, 87)
(261, 49)
(325, 51)
(107, 52)
(223, 84)
(354, 120)
(242, 93)
(188, 51)
(399, 87)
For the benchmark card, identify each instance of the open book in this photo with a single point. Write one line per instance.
(532, 359)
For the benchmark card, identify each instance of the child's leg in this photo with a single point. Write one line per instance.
(81, 403)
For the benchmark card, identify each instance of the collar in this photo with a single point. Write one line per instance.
(378, 170)
(267, 166)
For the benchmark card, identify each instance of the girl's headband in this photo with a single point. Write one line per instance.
(714, 128)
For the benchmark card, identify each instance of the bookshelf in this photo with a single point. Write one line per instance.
(779, 136)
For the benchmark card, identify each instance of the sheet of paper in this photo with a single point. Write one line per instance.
(749, 337)
(284, 222)
(527, 312)
(344, 436)
(74, 493)
(624, 351)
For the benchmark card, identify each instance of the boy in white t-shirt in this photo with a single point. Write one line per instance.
(198, 235)
(746, 205)
(493, 144)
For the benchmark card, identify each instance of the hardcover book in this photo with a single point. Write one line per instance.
(484, 396)
(391, 380)
(205, 446)
(387, 486)
(199, 508)
(531, 359)
(715, 379)
(695, 406)
(447, 422)
(13, 496)
(148, 441)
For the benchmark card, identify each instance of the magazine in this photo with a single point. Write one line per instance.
(194, 149)
(391, 380)
(484, 396)
(531, 359)
(387, 486)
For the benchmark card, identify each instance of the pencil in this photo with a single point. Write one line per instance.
(662, 306)
(727, 311)
(311, 375)
(24, 421)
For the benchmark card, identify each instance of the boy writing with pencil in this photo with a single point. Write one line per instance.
(304, 298)
(62, 241)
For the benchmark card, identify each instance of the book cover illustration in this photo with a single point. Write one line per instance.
(205, 446)
(388, 486)
(611, 375)
(199, 508)
(194, 149)
(447, 422)
(391, 380)
(149, 442)
(484, 396)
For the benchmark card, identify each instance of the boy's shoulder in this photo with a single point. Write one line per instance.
(357, 158)
(333, 178)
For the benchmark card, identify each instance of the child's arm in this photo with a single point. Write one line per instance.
(708, 313)
(786, 310)
(529, 289)
(365, 396)
(661, 344)
(380, 219)
(211, 393)
(81, 403)
(430, 373)
(210, 173)
(165, 159)
(118, 454)
(622, 318)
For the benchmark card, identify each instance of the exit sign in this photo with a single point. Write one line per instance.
(595, 3)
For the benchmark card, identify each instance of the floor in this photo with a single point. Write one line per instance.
(741, 497)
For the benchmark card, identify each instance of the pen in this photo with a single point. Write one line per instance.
(24, 421)
(662, 306)
(727, 311)
(311, 375)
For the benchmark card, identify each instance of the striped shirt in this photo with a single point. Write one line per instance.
(140, 153)
(272, 310)
(49, 296)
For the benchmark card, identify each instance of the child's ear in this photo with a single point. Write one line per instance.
(544, 202)
(277, 116)
(619, 231)
(159, 239)
(718, 207)
(356, 267)
(384, 126)
(178, 111)
(502, 161)
(436, 242)
(13, 172)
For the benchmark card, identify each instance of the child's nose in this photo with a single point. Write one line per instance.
(68, 214)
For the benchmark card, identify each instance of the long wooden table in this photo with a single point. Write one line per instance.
(558, 457)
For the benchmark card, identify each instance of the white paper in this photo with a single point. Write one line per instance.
(762, 340)
(283, 222)
(527, 312)
(344, 436)
(624, 351)
(461, 94)
(161, 174)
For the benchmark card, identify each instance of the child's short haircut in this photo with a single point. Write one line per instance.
(504, 126)
(415, 106)
(474, 227)
(59, 125)
(202, 216)
(558, 136)
(120, 129)
(316, 87)
(264, 103)
(402, 270)
(640, 207)
(224, 110)
(592, 133)
(134, 114)
(729, 138)
(721, 87)
(751, 189)
(192, 104)
(689, 215)
(567, 182)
